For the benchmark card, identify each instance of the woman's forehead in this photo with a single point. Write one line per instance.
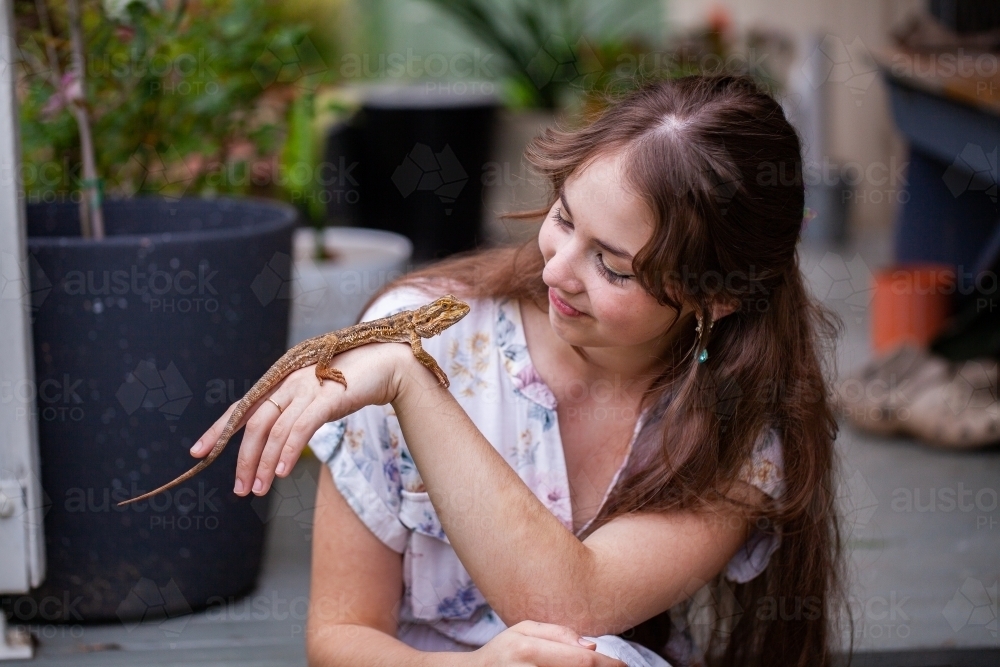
(598, 199)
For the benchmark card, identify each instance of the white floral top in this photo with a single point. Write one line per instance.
(492, 377)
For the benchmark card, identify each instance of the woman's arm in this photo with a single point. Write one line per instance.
(356, 587)
(354, 599)
(523, 560)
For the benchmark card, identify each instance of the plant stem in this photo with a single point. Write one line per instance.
(91, 210)
(50, 49)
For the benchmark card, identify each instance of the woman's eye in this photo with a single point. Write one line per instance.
(561, 221)
(611, 276)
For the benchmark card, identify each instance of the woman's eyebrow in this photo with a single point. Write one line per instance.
(613, 249)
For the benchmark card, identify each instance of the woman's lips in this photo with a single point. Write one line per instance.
(563, 307)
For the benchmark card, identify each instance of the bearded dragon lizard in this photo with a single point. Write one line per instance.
(407, 326)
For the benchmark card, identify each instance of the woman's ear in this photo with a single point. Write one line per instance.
(720, 310)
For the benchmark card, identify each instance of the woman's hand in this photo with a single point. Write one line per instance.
(274, 439)
(534, 644)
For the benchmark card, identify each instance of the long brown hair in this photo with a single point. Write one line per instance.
(718, 164)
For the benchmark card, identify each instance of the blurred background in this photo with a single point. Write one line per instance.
(260, 168)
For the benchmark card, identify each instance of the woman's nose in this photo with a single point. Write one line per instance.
(560, 271)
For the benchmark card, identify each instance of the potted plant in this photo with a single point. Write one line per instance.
(152, 309)
(336, 266)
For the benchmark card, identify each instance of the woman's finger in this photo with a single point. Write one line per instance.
(208, 439)
(267, 463)
(550, 631)
(314, 415)
(554, 653)
(258, 426)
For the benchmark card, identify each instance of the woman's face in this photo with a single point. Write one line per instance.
(588, 240)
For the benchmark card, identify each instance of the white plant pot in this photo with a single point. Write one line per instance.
(330, 294)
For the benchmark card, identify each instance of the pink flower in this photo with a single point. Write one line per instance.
(72, 90)
(530, 383)
(69, 90)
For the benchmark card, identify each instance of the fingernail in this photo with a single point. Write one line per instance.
(195, 447)
(257, 485)
(281, 467)
(586, 643)
(239, 486)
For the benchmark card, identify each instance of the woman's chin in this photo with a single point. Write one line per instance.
(568, 332)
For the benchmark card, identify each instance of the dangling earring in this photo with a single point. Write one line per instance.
(703, 355)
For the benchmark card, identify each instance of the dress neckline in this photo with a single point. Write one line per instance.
(524, 368)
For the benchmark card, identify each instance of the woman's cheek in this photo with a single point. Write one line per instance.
(611, 315)
(629, 318)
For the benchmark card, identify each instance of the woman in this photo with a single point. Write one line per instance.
(635, 451)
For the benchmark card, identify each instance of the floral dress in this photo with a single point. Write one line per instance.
(492, 377)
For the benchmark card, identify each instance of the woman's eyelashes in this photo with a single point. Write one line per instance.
(609, 275)
(561, 220)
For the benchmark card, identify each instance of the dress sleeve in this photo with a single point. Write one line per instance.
(764, 470)
(364, 450)
(365, 470)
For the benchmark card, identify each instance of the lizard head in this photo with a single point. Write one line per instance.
(438, 315)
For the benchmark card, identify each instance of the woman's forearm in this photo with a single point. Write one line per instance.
(525, 562)
(349, 645)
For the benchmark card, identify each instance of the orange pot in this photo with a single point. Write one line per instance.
(912, 303)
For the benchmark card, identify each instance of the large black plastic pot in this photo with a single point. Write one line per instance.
(411, 161)
(141, 342)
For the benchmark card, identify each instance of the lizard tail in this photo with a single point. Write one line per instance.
(220, 445)
(277, 372)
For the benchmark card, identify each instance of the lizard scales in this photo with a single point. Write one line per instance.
(407, 326)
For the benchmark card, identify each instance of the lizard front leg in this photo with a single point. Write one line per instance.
(426, 359)
(324, 371)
